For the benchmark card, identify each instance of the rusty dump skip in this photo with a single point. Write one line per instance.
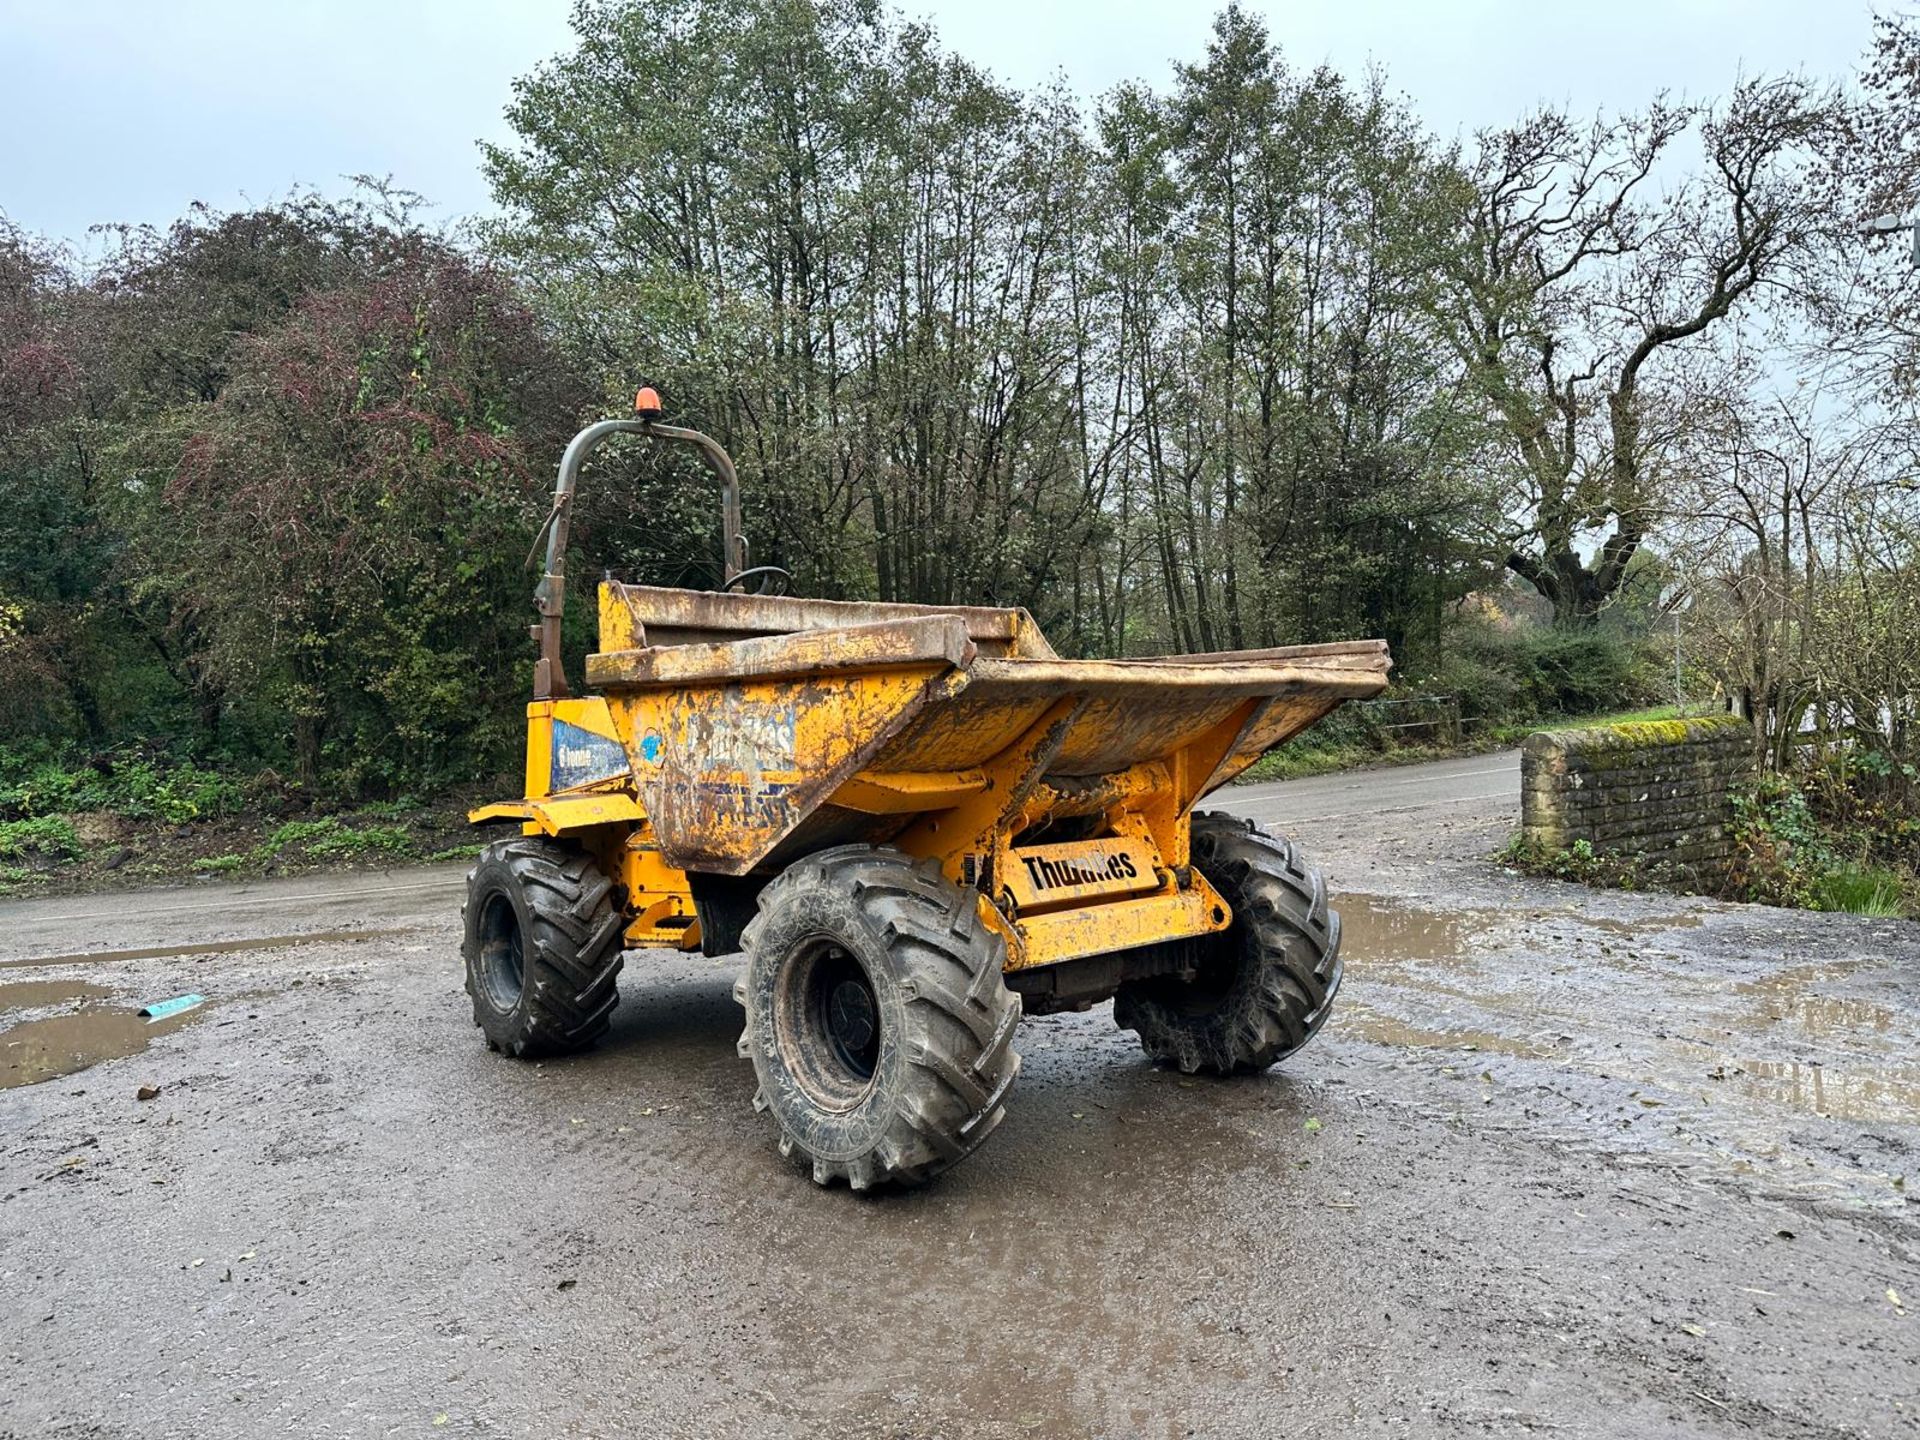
(762, 727)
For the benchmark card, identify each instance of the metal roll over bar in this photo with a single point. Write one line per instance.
(550, 596)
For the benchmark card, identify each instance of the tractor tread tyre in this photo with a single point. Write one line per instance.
(570, 952)
(1267, 982)
(944, 1019)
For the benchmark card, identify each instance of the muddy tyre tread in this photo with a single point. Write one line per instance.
(571, 948)
(1287, 971)
(957, 1046)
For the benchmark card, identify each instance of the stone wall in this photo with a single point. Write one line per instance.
(1658, 790)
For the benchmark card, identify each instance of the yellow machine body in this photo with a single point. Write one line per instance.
(731, 734)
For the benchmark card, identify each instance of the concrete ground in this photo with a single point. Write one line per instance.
(1563, 1162)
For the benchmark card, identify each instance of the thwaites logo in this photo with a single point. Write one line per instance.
(1065, 875)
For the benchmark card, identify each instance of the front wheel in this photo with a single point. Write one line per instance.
(878, 1022)
(1259, 989)
(542, 947)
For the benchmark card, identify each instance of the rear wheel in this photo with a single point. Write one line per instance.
(878, 1023)
(1260, 988)
(542, 947)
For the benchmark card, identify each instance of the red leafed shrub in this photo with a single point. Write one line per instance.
(349, 518)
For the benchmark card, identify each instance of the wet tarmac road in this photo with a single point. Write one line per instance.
(1563, 1163)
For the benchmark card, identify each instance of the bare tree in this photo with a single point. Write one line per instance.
(1575, 285)
(1797, 533)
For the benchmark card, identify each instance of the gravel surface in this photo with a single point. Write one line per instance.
(1581, 1164)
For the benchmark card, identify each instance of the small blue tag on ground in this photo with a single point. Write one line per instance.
(161, 1009)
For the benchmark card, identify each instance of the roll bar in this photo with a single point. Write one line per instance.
(550, 596)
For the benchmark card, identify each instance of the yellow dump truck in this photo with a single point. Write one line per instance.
(918, 822)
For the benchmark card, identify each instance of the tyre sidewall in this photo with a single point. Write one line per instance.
(799, 918)
(494, 875)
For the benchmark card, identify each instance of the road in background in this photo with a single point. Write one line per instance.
(1485, 782)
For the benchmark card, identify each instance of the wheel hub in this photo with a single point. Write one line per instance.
(502, 967)
(827, 1024)
(853, 1025)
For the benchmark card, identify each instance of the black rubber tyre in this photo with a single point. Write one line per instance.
(542, 946)
(1266, 983)
(878, 1022)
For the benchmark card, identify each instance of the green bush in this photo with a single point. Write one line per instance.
(38, 779)
(49, 836)
(1859, 891)
(1779, 853)
(1822, 840)
(369, 840)
(175, 792)
(330, 838)
(1527, 672)
(1579, 863)
(45, 780)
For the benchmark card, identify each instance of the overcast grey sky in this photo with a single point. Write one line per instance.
(125, 111)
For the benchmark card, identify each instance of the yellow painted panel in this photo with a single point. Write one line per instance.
(1043, 876)
(567, 812)
(545, 718)
(620, 628)
(903, 792)
(1118, 925)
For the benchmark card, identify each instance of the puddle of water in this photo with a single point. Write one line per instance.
(1375, 930)
(1382, 930)
(205, 947)
(1352, 1018)
(1887, 1094)
(36, 1050)
(1651, 925)
(1788, 995)
(39, 994)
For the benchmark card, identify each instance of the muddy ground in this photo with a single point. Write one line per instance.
(1563, 1163)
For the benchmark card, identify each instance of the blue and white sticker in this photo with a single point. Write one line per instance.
(581, 757)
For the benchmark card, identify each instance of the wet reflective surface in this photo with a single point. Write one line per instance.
(85, 1032)
(1722, 1032)
(1560, 1163)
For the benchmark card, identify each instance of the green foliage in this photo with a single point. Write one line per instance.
(1821, 840)
(43, 787)
(1780, 853)
(269, 500)
(1579, 863)
(965, 350)
(364, 842)
(330, 837)
(49, 837)
(44, 779)
(1523, 672)
(1859, 891)
(176, 793)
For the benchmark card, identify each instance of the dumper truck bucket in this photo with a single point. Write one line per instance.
(762, 728)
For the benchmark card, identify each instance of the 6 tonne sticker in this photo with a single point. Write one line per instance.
(1048, 874)
(581, 757)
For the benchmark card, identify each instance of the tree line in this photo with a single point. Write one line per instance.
(1247, 357)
